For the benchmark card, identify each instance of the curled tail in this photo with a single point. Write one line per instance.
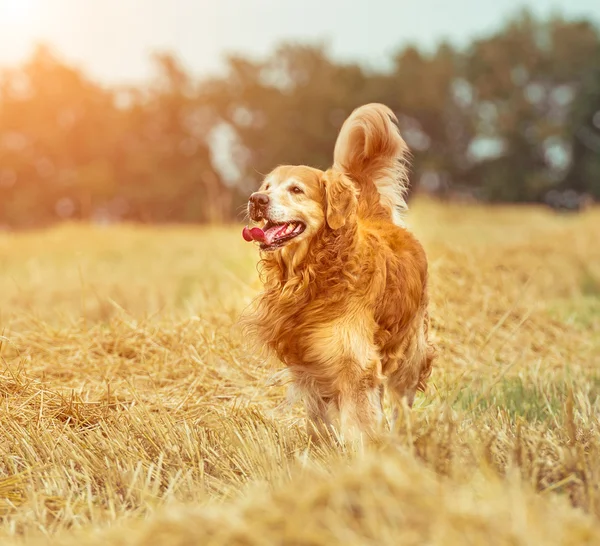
(369, 147)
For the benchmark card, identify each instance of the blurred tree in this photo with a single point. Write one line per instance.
(433, 102)
(523, 79)
(287, 109)
(584, 131)
(491, 119)
(72, 149)
(57, 140)
(168, 170)
(512, 116)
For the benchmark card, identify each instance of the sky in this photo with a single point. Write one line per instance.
(112, 40)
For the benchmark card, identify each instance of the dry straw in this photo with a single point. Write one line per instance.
(133, 414)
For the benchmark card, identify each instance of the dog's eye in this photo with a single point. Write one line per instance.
(296, 189)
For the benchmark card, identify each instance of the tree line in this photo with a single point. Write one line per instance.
(512, 117)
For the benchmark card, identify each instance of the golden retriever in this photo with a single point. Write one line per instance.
(344, 304)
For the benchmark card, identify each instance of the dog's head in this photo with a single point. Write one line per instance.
(295, 203)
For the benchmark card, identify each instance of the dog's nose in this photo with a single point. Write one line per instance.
(259, 200)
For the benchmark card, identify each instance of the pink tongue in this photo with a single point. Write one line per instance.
(254, 234)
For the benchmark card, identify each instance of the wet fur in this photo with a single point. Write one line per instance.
(345, 308)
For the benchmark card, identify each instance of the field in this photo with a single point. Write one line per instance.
(131, 412)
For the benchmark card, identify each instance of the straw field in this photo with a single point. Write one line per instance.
(132, 413)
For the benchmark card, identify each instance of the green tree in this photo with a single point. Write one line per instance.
(523, 78)
(584, 129)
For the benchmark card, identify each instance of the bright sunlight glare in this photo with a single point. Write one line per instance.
(17, 11)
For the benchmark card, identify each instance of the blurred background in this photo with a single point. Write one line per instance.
(171, 111)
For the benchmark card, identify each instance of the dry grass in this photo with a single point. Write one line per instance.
(131, 413)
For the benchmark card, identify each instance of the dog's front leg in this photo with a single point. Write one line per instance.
(318, 423)
(361, 412)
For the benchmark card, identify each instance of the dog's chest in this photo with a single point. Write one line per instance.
(291, 329)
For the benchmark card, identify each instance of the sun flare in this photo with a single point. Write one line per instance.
(17, 11)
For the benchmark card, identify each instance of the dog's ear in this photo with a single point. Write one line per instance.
(340, 199)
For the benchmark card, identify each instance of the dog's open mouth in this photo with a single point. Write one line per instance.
(274, 234)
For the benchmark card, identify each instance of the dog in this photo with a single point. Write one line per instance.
(344, 305)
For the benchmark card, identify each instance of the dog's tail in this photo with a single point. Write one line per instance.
(369, 147)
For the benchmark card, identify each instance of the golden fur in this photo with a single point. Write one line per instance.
(344, 304)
